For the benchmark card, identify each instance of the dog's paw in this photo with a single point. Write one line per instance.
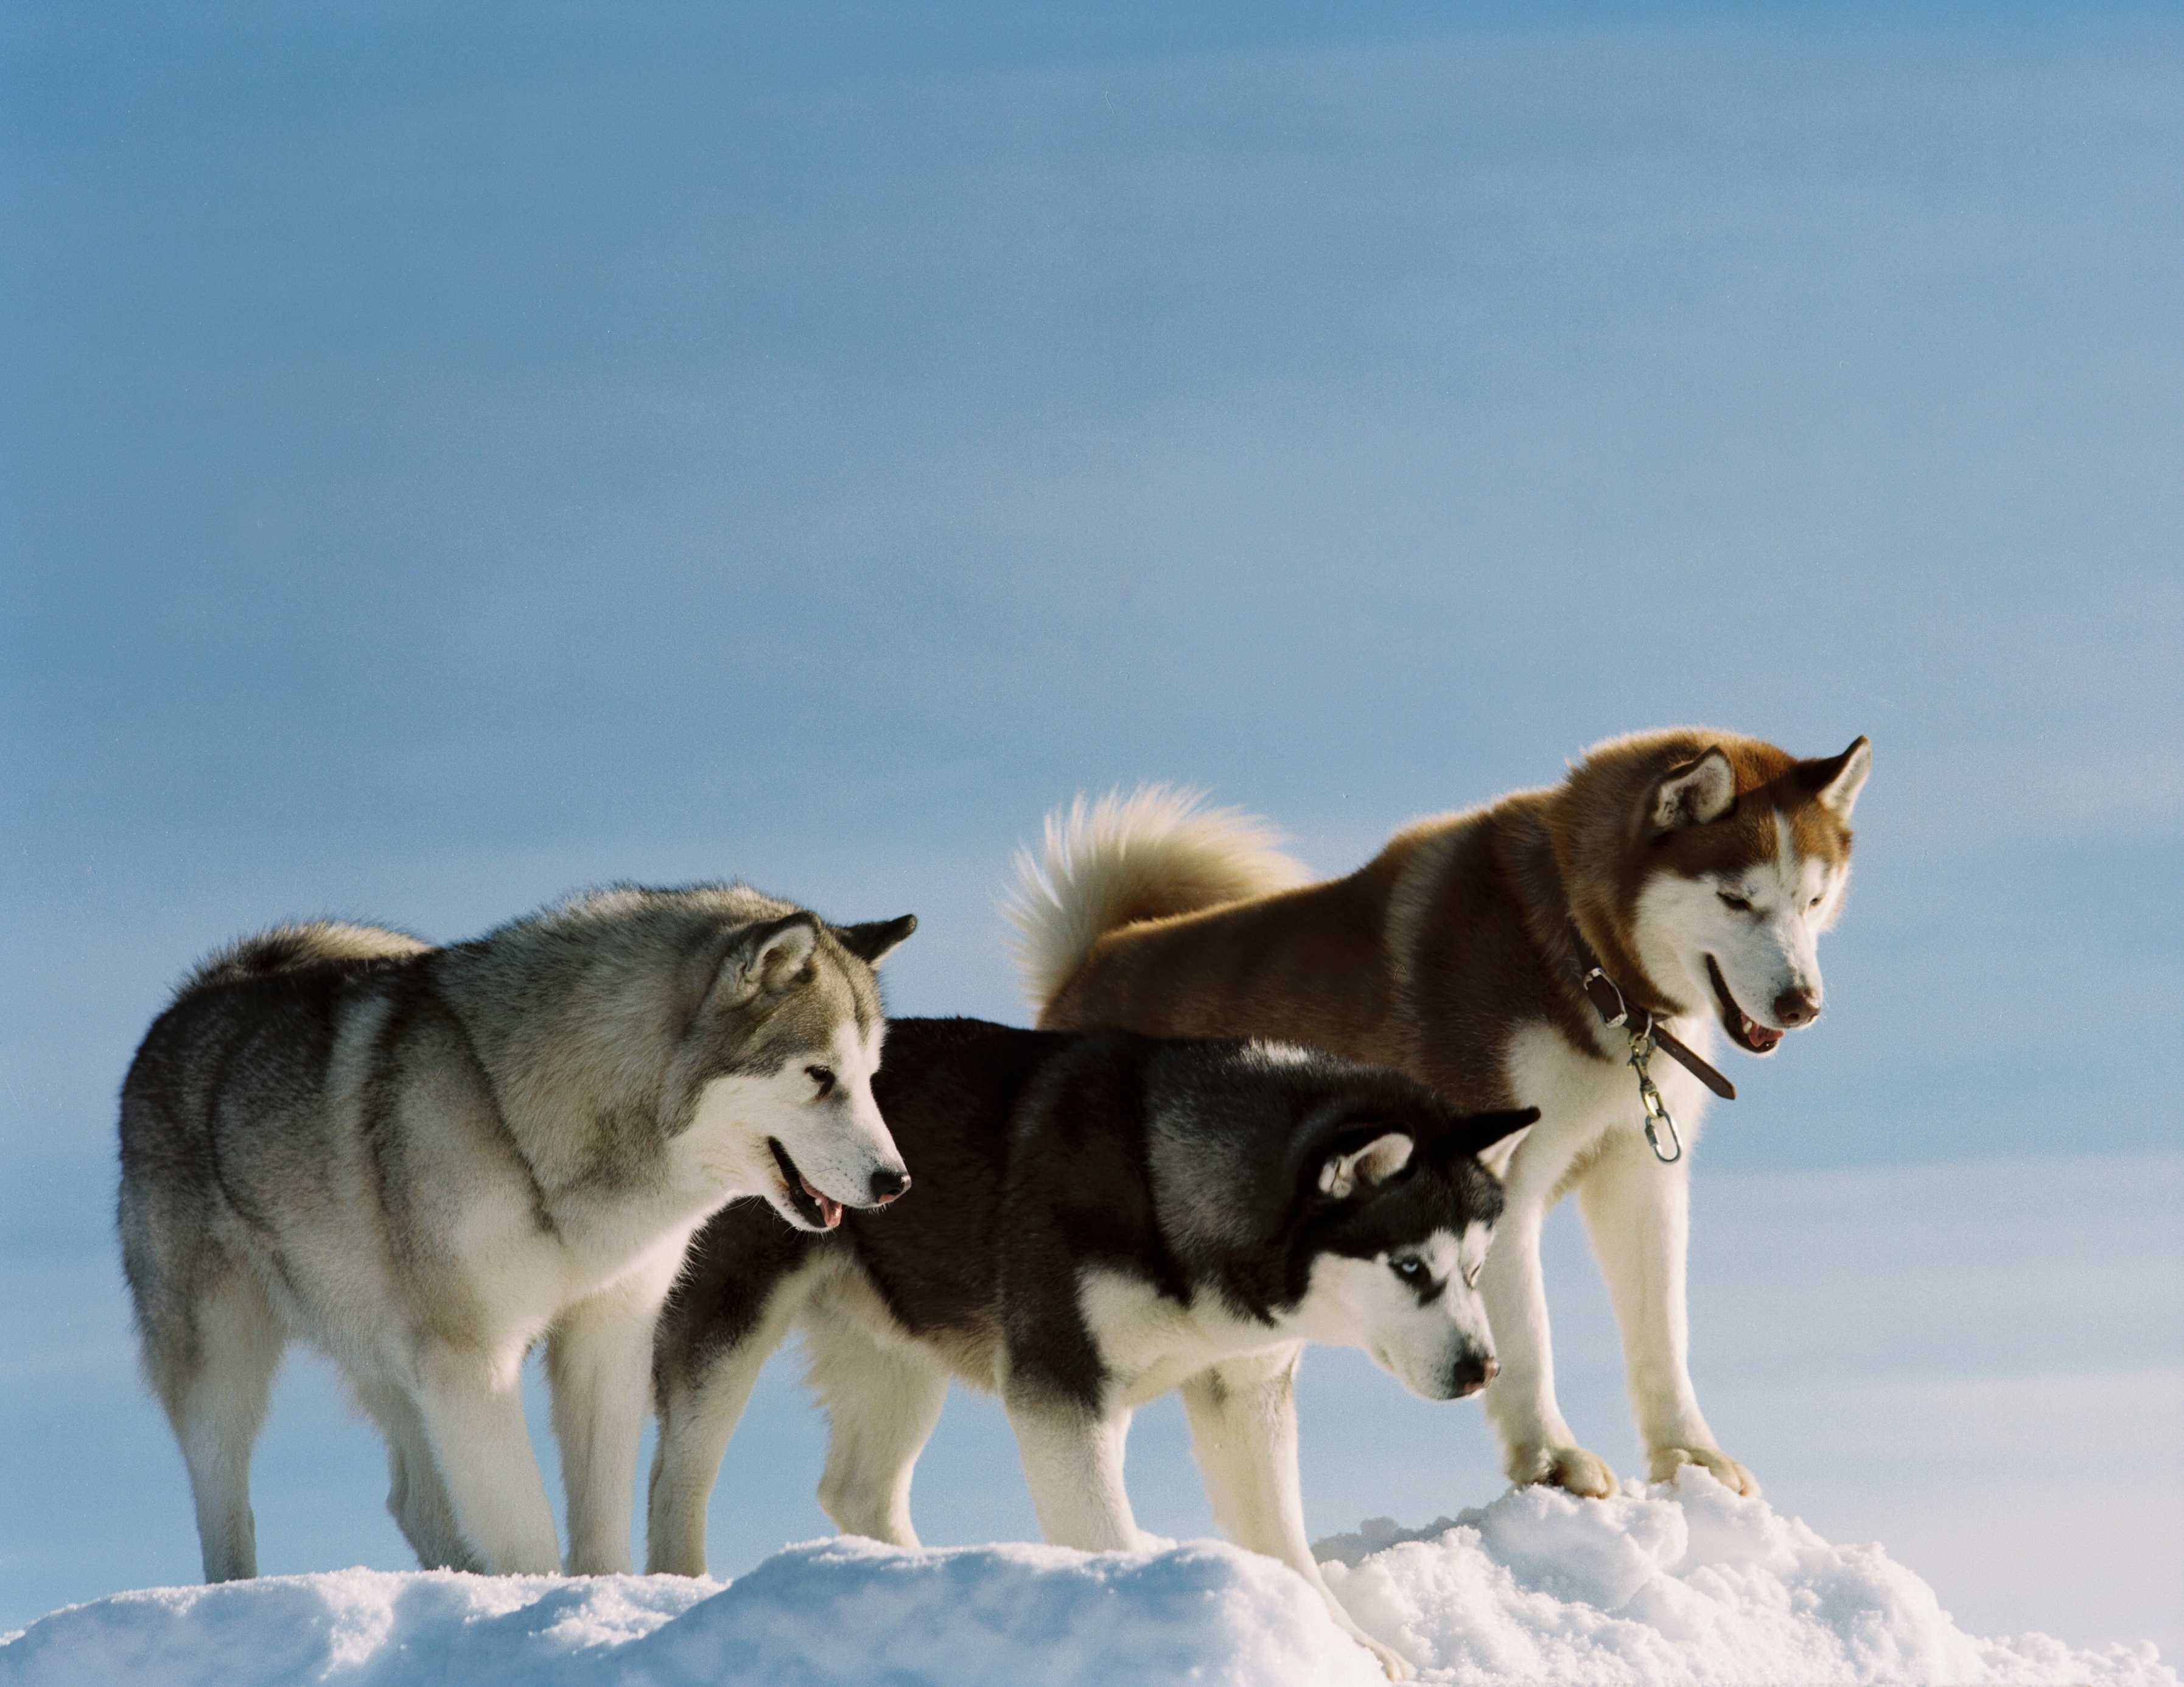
(1663, 1462)
(1571, 1469)
(1397, 1667)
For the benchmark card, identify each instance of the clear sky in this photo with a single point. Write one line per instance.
(449, 459)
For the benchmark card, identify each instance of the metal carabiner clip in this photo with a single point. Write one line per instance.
(1649, 1095)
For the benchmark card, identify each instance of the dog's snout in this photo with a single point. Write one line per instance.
(887, 1184)
(1470, 1373)
(1794, 1008)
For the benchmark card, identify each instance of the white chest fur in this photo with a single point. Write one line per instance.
(1148, 1343)
(1582, 1099)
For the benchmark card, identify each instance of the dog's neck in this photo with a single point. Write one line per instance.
(1550, 918)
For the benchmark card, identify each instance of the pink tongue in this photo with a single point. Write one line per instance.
(830, 1211)
(1764, 1037)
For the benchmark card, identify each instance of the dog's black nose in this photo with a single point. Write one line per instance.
(1794, 1008)
(887, 1185)
(1470, 1373)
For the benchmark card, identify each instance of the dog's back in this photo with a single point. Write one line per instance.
(1155, 913)
(250, 1031)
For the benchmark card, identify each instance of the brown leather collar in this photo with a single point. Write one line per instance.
(1614, 1009)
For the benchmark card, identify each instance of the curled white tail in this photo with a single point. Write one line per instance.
(1157, 852)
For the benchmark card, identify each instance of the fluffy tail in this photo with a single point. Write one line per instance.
(1157, 852)
(279, 948)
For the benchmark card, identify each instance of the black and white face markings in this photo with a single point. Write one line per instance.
(1397, 1272)
(1429, 1269)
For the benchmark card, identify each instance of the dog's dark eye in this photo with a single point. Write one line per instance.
(1411, 1271)
(1739, 903)
(824, 1077)
(1814, 903)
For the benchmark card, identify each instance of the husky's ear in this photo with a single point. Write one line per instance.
(1838, 779)
(873, 939)
(1343, 1174)
(1695, 793)
(766, 956)
(1479, 1131)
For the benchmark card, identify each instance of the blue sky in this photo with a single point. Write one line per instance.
(449, 460)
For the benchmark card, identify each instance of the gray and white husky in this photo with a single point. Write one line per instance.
(1099, 1219)
(421, 1160)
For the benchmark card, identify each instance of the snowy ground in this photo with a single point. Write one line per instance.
(1682, 1584)
(1978, 1366)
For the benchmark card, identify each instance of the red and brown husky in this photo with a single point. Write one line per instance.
(1688, 872)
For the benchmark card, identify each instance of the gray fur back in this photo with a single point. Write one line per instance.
(281, 949)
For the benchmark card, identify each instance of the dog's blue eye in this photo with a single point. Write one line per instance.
(1409, 1270)
(822, 1076)
(1739, 903)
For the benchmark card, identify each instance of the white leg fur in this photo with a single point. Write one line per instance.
(599, 1364)
(217, 1413)
(473, 1405)
(695, 1424)
(1072, 1462)
(1536, 1442)
(1637, 1212)
(882, 1403)
(1243, 1428)
(416, 1498)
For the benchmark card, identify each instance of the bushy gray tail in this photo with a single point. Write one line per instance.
(1158, 852)
(278, 949)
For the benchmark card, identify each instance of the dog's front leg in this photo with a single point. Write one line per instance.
(599, 1368)
(1073, 1460)
(1536, 1442)
(1637, 1212)
(1243, 1427)
(472, 1407)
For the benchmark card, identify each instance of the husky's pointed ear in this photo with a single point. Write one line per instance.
(1837, 779)
(1345, 1172)
(766, 956)
(873, 939)
(1479, 1131)
(1695, 792)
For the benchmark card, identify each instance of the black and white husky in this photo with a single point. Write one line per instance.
(424, 1161)
(1099, 1219)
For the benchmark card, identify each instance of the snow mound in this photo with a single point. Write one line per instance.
(1680, 1583)
(837, 1613)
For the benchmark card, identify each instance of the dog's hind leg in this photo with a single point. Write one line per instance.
(214, 1376)
(1243, 1428)
(699, 1399)
(416, 1497)
(882, 1399)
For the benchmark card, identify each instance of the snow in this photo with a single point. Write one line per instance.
(1681, 1583)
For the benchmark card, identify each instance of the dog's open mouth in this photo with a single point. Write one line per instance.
(1745, 1032)
(822, 1212)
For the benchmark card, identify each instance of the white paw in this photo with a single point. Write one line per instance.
(1573, 1469)
(1398, 1668)
(1663, 1463)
